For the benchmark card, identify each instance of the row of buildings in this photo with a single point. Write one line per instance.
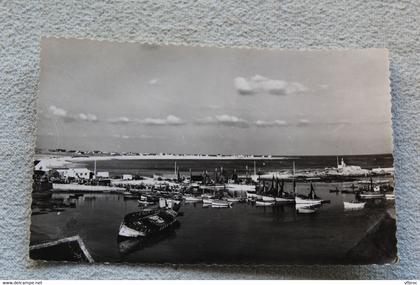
(76, 174)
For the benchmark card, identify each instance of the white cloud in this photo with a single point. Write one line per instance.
(88, 117)
(259, 84)
(324, 86)
(243, 86)
(153, 81)
(275, 123)
(169, 120)
(120, 120)
(225, 120)
(303, 122)
(121, 136)
(59, 112)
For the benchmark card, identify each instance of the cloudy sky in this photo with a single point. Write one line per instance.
(132, 97)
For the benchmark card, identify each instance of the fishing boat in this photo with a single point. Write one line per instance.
(174, 201)
(268, 198)
(233, 200)
(372, 192)
(268, 195)
(371, 195)
(263, 204)
(144, 203)
(354, 205)
(285, 199)
(305, 200)
(207, 201)
(192, 199)
(281, 196)
(221, 204)
(41, 187)
(146, 223)
(390, 196)
(206, 195)
(251, 195)
(311, 199)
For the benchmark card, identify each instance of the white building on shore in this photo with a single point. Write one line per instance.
(75, 173)
(102, 174)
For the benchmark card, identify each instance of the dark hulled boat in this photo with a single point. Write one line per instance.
(147, 222)
(41, 187)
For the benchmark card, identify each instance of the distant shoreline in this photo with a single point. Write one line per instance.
(65, 160)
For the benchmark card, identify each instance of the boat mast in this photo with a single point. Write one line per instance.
(94, 168)
(255, 168)
(294, 182)
(175, 170)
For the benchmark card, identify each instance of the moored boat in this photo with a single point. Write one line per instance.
(311, 199)
(221, 204)
(263, 203)
(354, 205)
(371, 195)
(268, 199)
(390, 196)
(207, 201)
(144, 203)
(281, 196)
(233, 200)
(251, 195)
(192, 199)
(285, 199)
(305, 200)
(145, 223)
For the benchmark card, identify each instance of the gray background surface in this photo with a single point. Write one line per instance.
(281, 24)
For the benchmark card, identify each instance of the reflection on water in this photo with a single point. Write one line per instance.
(241, 234)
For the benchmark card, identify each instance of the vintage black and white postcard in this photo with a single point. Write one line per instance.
(186, 155)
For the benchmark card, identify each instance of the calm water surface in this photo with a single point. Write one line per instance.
(241, 234)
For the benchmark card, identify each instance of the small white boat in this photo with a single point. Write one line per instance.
(354, 205)
(192, 199)
(263, 203)
(143, 198)
(171, 202)
(305, 210)
(221, 204)
(144, 203)
(285, 200)
(207, 201)
(268, 199)
(390, 196)
(251, 195)
(310, 200)
(371, 195)
(233, 200)
(307, 201)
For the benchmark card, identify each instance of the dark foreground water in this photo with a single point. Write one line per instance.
(241, 234)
